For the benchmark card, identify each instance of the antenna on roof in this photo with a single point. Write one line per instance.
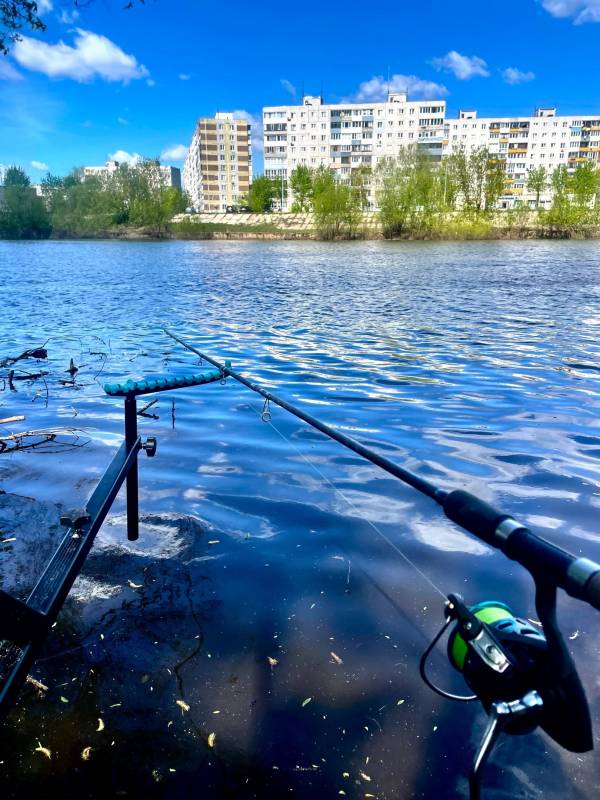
(302, 94)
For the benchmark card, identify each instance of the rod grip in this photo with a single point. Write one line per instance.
(474, 515)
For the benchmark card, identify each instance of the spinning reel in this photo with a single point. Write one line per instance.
(523, 677)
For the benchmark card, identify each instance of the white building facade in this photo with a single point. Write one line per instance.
(345, 136)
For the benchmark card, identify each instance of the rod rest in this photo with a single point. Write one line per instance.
(132, 388)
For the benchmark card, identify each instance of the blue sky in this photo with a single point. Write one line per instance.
(104, 80)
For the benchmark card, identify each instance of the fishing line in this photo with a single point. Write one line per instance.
(269, 421)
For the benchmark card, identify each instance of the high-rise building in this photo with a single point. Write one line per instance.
(520, 144)
(346, 136)
(218, 167)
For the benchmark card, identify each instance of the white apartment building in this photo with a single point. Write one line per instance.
(524, 143)
(345, 136)
(218, 167)
(169, 176)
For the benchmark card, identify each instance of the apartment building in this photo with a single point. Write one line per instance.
(345, 136)
(168, 176)
(521, 144)
(218, 168)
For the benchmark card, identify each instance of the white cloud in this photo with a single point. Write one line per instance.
(150, 82)
(256, 129)
(177, 152)
(377, 88)
(122, 121)
(8, 72)
(289, 87)
(580, 10)
(513, 76)
(462, 67)
(44, 6)
(123, 157)
(183, 76)
(91, 56)
(39, 165)
(68, 17)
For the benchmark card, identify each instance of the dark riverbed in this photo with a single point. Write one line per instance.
(474, 363)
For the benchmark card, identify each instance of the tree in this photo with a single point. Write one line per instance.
(14, 16)
(537, 181)
(473, 174)
(16, 176)
(18, 14)
(301, 184)
(261, 194)
(360, 181)
(495, 183)
(584, 183)
(23, 214)
(336, 206)
(410, 191)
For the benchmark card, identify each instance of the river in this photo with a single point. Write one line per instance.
(269, 592)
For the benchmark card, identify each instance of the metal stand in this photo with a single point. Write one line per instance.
(501, 715)
(131, 436)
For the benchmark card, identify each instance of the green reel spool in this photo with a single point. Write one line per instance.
(492, 613)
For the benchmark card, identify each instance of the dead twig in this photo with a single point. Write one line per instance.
(36, 352)
(143, 411)
(6, 420)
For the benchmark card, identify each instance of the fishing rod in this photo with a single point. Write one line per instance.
(524, 678)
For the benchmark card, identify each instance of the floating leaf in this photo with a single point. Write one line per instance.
(216, 712)
(336, 658)
(211, 739)
(135, 585)
(214, 541)
(63, 699)
(574, 635)
(364, 776)
(399, 703)
(43, 750)
(341, 791)
(272, 661)
(183, 706)
(100, 725)
(87, 751)
(306, 702)
(345, 774)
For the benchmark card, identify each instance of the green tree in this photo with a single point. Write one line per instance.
(261, 194)
(301, 184)
(14, 16)
(23, 214)
(495, 183)
(537, 181)
(18, 14)
(360, 181)
(16, 176)
(560, 183)
(584, 183)
(336, 206)
(472, 173)
(409, 192)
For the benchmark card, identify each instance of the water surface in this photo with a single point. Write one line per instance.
(474, 363)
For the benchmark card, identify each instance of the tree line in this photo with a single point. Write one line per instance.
(416, 196)
(86, 205)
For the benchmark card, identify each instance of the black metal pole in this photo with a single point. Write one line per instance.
(131, 437)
